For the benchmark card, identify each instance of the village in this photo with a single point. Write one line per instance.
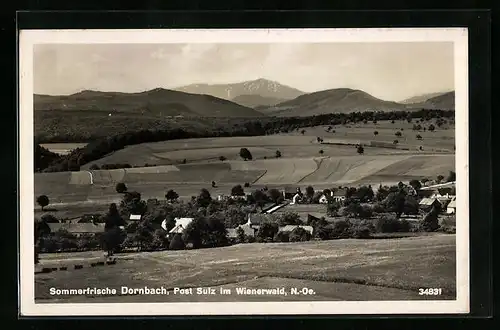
(293, 213)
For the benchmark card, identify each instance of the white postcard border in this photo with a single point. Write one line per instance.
(28, 38)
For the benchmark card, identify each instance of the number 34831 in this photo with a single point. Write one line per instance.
(430, 291)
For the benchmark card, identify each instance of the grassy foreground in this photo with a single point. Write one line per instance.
(389, 269)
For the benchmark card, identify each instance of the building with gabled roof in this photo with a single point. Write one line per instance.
(428, 203)
(290, 228)
(451, 208)
(180, 225)
(77, 229)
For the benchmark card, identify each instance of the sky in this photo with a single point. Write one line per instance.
(390, 71)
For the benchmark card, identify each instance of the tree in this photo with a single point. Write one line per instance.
(392, 121)
(132, 203)
(415, 184)
(240, 235)
(49, 218)
(274, 195)
(121, 188)
(171, 195)
(222, 158)
(431, 127)
(375, 133)
(365, 194)
(419, 137)
(439, 178)
(310, 192)
(177, 243)
(245, 154)
(395, 202)
(299, 234)
(332, 209)
(94, 167)
(42, 200)
(204, 198)
(321, 152)
(398, 133)
(451, 176)
(382, 193)
(247, 184)
(278, 154)
(340, 229)
(112, 219)
(259, 197)
(282, 236)
(395, 142)
(112, 239)
(213, 184)
(360, 149)
(237, 191)
(303, 131)
(267, 230)
(289, 218)
(430, 221)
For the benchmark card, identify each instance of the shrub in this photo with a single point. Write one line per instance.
(278, 154)
(340, 229)
(299, 234)
(387, 225)
(177, 243)
(395, 142)
(361, 232)
(398, 134)
(451, 176)
(246, 185)
(94, 167)
(171, 195)
(222, 158)
(419, 137)
(431, 128)
(375, 133)
(267, 230)
(321, 151)
(360, 149)
(282, 236)
(121, 188)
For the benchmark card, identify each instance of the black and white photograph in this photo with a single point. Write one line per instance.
(235, 172)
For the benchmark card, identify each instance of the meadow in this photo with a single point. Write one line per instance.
(301, 163)
(389, 269)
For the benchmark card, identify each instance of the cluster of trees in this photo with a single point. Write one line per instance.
(101, 146)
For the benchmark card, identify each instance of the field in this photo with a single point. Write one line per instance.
(301, 163)
(389, 269)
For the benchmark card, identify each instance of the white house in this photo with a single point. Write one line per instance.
(180, 225)
(339, 195)
(452, 207)
(135, 217)
(323, 199)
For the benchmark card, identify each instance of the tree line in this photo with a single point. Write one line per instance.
(100, 147)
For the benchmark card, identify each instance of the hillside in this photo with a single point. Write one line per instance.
(256, 101)
(340, 100)
(158, 101)
(444, 101)
(261, 87)
(421, 98)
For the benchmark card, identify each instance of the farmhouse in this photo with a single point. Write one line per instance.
(180, 225)
(77, 229)
(324, 199)
(339, 195)
(256, 219)
(427, 203)
(233, 232)
(290, 228)
(452, 207)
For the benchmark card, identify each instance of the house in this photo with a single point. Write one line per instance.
(180, 225)
(267, 207)
(290, 228)
(233, 232)
(427, 203)
(256, 219)
(297, 198)
(291, 191)
(324, 198)
(77, 229)
(452, 207)
(339, 195)
(135, 217)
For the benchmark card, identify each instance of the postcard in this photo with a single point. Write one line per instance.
(243, 172)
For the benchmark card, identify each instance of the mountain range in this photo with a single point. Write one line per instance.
(255, 98)
(158, 101)
(265, 92)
